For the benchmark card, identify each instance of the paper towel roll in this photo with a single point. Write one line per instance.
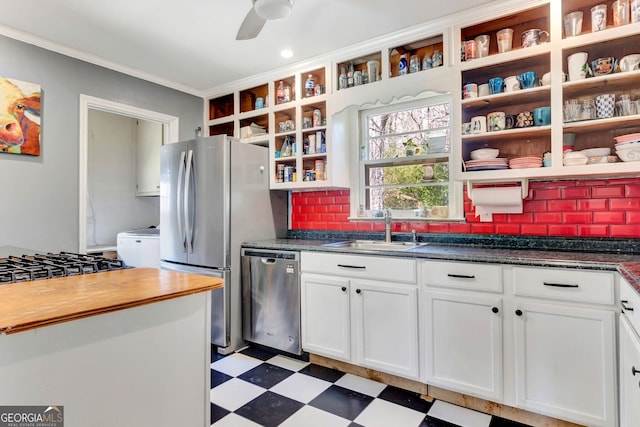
(496, 200)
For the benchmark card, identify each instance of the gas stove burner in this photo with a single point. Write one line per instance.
(34, 267)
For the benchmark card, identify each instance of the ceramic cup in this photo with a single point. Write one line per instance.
(534, 37)
(470, 49)
(598, 18)
(483, 89)
(542, 116)
(496, 85)
(528, 79)
(524, 119)
(510, 121)
(479, 124)
(482, 43)
(605, 105)
(505, 40)
(469, 90)
(620, 12)
(259, 103)
(466, 128)
(496, 121)
(372, 70)
(602, 66)
(577, 65)
(573, 24)
(511, 84)
(630, 62)
(635, 11)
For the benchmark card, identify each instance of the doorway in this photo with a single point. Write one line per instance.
(88, 107)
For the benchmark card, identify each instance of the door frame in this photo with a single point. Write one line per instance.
(171, 134)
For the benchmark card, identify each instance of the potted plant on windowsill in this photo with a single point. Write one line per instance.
(410, 148)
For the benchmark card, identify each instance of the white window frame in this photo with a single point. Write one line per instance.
(358, 189)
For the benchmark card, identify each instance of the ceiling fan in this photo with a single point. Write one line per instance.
(261, 12)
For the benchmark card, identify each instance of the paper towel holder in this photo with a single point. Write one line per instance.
(524, 187)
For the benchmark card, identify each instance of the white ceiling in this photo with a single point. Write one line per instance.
(190, 44)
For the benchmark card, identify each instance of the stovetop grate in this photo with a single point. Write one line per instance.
(25, 268)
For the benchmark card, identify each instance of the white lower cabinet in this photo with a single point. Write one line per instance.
(565, 344)
(540, 339)
(629, 356)
(565, 362)
(325, 316)
(464, 342)
(370, 323)
(629, 375)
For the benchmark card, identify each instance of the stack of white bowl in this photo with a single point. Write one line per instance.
(628, 147)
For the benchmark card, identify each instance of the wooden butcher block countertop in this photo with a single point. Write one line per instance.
(30, 305)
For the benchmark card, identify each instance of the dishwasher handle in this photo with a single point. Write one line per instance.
(265, 260)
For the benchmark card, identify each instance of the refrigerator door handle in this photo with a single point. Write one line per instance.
(179, 200)
(187, 196)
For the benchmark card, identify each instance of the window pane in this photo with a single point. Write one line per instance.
(405, 162)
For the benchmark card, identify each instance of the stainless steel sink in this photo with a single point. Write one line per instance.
(380, 245)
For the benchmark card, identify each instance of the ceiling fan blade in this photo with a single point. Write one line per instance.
(251, 26)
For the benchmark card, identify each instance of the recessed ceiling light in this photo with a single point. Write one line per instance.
(286, 53)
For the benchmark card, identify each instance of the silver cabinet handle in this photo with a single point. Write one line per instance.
(179, 196)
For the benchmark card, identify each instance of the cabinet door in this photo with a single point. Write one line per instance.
(629, 375)
(325, 316)
(565, 362)
(149, 141)
(385, 327)
(463, 343)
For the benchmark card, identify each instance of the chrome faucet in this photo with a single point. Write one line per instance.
(387, 226)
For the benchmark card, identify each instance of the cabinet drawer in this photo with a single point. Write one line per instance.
(365, 267)
(632, 303)
(461, 275)
(565, 284)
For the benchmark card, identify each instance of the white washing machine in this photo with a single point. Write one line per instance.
(140, 248)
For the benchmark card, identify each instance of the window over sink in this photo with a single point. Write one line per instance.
(404, 161)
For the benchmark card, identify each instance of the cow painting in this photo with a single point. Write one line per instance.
(19, 117)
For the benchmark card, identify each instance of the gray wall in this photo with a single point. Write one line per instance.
(39, 195)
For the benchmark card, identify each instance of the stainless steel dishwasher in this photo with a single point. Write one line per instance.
(271, 299)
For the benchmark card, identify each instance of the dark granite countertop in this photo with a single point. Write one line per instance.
(626, 263)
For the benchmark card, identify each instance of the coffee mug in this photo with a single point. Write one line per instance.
(524, 119)
(496, 85)
(505, 40)
(259, 103)
(620, 12)
(542, 116)
(528, 79)
(509, 121)
(630, 62)
(466, 128)
(603, 66)
(469, 90)
(479, 124)
(598, 18)
(470, 49)
(495, 121)
(511, 84)
(605, 105)
(573, 24)
(483, 89)
(534, 37)
(577, 65)
(482, 43)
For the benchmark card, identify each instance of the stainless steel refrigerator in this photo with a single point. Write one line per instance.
(214, 195)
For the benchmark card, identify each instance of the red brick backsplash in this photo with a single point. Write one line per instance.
(580, 208)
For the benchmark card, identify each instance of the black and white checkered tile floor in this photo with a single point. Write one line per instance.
(254, 387)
